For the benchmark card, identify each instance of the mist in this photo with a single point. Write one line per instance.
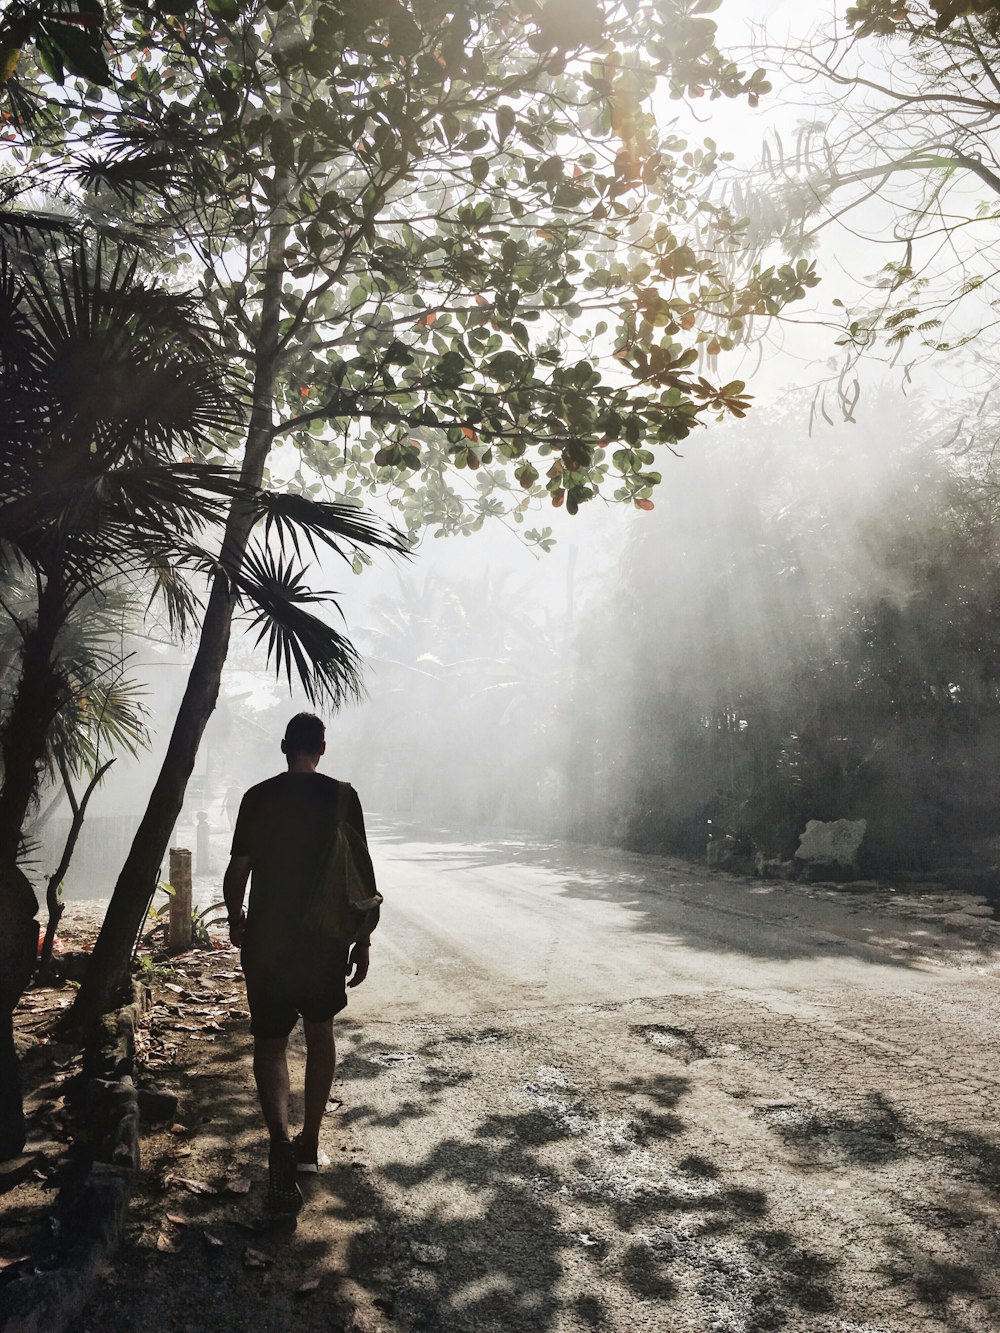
(799, 626)
(804, 628)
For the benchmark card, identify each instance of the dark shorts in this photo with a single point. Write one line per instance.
(280, 989)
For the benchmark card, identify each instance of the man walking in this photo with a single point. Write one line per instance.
(283, 830)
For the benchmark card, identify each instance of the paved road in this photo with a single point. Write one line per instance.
(612, 1092)
(588, 1091)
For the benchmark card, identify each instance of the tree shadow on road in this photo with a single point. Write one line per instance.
(554, 1214)
(556, 1210)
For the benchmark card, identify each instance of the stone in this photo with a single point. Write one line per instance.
(18, 1169)
(832, 843)
(156, 1104)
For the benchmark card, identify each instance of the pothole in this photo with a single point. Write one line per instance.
(484, 1037)
(678, 1042)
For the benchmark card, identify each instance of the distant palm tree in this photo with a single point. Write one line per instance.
(466, 667)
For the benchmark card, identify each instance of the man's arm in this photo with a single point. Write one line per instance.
(234, 886)
(354, 815)
(359, 958)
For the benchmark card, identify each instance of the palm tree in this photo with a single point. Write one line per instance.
(108, 389)
(102, 716)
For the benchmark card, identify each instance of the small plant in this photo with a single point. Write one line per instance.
(148, 970)
(213, 915)
(158, 915)
(201, 919)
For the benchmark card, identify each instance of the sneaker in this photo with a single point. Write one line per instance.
(310, 1163)
(283, 1193)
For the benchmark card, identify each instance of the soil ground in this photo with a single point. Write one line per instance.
(583, 1090)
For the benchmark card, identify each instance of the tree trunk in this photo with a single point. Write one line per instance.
(108, 972)
(52, 900)
(36, 700)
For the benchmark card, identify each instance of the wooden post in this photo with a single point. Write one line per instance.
(203, 845)
(180, 928)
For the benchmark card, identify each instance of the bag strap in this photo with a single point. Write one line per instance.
(343, 792)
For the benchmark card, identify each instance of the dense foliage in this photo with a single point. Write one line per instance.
(500, 279)
(818, 637)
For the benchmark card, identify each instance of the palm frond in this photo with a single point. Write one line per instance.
(101, 717)
(127, 175)
(113, 358)
(166, 160)
(27, 224)
(101, 710)
(273, 591)
(169, 585)
(342, 528)
(133, 519)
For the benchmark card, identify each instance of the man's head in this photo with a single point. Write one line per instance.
(305, 736)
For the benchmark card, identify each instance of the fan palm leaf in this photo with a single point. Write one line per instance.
(274, 595)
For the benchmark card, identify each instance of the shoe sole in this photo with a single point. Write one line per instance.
(312, 1168)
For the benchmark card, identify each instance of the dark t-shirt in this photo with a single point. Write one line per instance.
(285, 825)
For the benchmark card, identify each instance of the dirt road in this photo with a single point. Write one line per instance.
(583, 1090)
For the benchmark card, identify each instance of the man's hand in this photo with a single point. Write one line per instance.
(237, 929)
(233, 888)
(358, 964)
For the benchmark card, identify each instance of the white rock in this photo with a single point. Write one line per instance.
(832, 843)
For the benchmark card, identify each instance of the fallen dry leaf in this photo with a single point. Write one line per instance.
(167, 1244)
(178, 1128)
(195, 1186)
(254, 1259)
(237, 1185)
(177, 1220)
(306, 1287)
(212, 1241)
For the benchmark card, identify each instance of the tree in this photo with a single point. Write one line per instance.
(892, 165)
(396, 258)
(883, 17)
(68, 39)
(106, 383)
(100, 714)
(452, 247)
(464, 668)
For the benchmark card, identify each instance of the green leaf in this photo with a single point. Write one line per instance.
(229, 10)
(49, 58)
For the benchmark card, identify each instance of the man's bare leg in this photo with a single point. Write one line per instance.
(270, 1069)
(321, 1062)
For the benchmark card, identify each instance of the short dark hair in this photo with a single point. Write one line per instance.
(305, 734)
